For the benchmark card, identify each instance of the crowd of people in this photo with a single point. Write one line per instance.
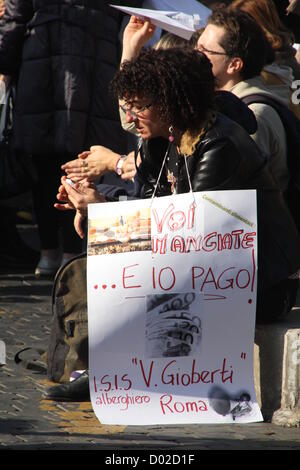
(174, 121)
(61, 57)
(229, 44)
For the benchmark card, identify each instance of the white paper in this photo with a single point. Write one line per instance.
(171, 309)
(2, 353)
(190, 7)
(177, 22)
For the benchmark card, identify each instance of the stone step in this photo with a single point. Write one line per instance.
(277, 370)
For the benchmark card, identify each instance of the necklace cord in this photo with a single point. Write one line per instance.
(161, 170)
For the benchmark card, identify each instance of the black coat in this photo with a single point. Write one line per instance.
(64, 54)
(228, 159)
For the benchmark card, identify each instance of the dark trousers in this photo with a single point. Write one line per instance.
(55, 227)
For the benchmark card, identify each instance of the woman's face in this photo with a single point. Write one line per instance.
(145, 118)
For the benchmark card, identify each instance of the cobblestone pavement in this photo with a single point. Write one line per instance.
(30, 423)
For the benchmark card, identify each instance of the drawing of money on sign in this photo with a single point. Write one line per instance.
(173, 325)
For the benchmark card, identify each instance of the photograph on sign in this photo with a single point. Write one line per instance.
(129, 231)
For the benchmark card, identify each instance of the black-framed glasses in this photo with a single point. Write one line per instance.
(135, 111)
(208, 51)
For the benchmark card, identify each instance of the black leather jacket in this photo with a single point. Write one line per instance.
(226, 158)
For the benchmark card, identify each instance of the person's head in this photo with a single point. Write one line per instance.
(195, 36)
(236, 45)
(169, 40)
(163, 88)
(265, 14)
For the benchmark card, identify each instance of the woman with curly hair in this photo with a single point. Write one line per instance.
(188, 146)
(100, 159)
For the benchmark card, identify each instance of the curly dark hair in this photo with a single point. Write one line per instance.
(177, 81)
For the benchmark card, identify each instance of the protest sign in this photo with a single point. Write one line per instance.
(171, 309)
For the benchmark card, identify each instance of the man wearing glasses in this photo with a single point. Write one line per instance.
(238, 51)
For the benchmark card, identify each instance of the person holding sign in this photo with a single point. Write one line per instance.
(99, 160)
(188, 146)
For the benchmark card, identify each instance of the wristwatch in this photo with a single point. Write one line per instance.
(119, 165)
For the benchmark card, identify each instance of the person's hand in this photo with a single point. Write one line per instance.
(293, 7)
(64, 203)
(78, 222)
(129, 168)
(77, 197)
(5, 81)
(90, 165)
(2, 8)
(136, 34)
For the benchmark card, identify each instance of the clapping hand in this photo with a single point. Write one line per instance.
(77, 197)
(91, 164)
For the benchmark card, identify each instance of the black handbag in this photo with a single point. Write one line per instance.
(17, 170)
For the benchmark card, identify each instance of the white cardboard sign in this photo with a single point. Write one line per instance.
(171, 309)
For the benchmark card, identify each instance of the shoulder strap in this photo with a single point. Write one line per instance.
(284, 111)
(263, 99)
(288, 118)
(292, 129)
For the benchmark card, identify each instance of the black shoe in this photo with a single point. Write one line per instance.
(77, 390)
